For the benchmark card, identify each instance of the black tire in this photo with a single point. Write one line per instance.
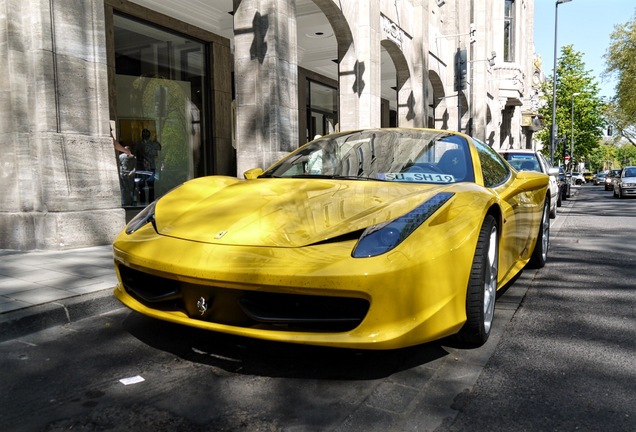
(540, 252)
(481, 293)
(560, 199)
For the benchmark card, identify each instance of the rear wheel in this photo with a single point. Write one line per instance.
(482, 286)
(540, 253)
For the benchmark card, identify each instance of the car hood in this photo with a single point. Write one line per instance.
(628, 180)
(282, 212)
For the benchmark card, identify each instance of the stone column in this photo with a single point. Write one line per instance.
(266, 76)
(360, 68)
(481, 72)
(58, 172)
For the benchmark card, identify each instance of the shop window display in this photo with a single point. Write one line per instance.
(160, 85)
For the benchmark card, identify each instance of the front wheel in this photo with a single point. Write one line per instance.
(482, 286)
(540, 253)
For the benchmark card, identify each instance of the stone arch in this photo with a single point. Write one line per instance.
(339, 24)
(437, 101)
(404, 91)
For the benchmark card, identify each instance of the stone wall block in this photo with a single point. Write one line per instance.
(80, 228)
(41, 106)
(79, 30)
(9, 168)
(79, 172)
(50, 231)
(80, 95)
(37, 18)
(249, 85)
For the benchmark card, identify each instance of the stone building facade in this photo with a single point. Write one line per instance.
(224, 86)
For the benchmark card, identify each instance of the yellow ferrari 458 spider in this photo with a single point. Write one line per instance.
(373, 239)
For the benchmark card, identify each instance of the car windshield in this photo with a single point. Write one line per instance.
(523, 161)
(630, 172)
(415, 156)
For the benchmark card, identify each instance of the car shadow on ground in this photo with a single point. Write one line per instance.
(273, 359)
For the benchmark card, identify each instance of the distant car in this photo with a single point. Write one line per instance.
(610, 178)
(625, 184)
(530, 160)
(599, 178)
(577, 178)
(564, 187)
(587, 175)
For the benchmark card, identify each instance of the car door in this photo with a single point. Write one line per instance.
(520, 210)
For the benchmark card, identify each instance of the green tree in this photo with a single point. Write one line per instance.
(603, 157)
(620, 60)
(626, 155)
(579, 111)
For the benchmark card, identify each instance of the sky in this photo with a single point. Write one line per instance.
(585, 24)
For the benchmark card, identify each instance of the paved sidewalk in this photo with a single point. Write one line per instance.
(40, 289)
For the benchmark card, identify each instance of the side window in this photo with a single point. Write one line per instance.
(494, 169)
(545, 162)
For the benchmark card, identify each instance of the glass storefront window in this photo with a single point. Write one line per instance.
(161, 83)
(322, 109)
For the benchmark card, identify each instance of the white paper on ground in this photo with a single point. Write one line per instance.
(131, 380)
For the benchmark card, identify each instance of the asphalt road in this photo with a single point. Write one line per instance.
(568, 360)
(562, 361)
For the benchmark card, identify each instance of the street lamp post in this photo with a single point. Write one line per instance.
(554, 75)
(572, 137)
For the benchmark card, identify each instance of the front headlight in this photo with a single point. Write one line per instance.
(145, 216)
(384, 237)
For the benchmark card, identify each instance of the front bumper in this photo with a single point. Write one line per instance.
(315, 295)
(628, 191)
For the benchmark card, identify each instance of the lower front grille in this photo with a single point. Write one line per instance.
(246, 308)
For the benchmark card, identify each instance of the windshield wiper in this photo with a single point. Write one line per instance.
(334, 177)
(341, 177)
(319, 176)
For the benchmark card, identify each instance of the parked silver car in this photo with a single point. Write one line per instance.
(625, 184)
(530, 160)
(599, 178)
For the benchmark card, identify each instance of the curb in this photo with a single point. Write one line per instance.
(29, 320)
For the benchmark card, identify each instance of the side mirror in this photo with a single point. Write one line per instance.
(531, 180)
(253, 173)
(553, 172)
